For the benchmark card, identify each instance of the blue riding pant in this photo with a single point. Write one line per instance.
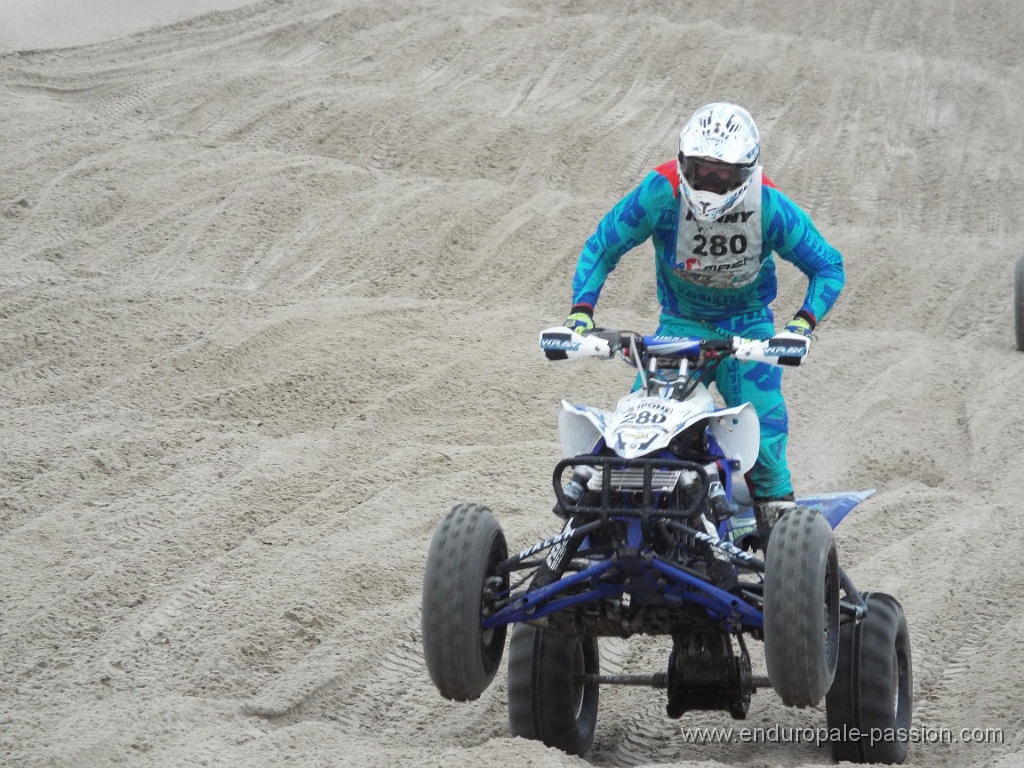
(741, 382)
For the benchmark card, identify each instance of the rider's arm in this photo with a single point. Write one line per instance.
(624, 227)
(791, 234)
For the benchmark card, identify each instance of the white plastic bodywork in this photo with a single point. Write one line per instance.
(642, 424)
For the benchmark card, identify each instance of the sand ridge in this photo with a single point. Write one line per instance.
(270, 286)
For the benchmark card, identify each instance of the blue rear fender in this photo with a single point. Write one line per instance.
(834, 507)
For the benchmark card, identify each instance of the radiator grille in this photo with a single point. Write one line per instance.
(632, 479)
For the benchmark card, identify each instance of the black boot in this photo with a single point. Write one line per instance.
(767, 513)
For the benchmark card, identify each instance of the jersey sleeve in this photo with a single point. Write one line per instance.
(631, 222)
(793, 236)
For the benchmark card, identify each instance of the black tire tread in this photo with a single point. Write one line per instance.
(861, 696)
(465, 543)
(540, 683)
(801, 552)
(1018, 304)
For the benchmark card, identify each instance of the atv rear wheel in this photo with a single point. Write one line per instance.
(459, 581)
(873, 693)
(546, 700)
(1018, 303)
(801, 608)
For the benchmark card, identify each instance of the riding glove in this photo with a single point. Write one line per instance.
(581, 320)
(801, 325)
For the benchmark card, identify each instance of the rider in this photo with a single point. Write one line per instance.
(715, 221)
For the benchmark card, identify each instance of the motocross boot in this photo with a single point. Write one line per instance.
(767, 513)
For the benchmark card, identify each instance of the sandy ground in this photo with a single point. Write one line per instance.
(270, 286)
(35, 24)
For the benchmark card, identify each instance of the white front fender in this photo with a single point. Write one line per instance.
(579, 428)
(738, 431)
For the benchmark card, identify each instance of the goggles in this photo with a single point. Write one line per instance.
(706, 175)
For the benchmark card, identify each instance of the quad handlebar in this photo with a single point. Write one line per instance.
(561, 343)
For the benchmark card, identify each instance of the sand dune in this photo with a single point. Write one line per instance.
(270, 286)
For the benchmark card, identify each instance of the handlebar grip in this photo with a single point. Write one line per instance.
(781, 349)
(561, 343)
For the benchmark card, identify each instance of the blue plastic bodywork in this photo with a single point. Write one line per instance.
(741, 529)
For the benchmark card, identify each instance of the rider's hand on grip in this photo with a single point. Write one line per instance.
(793, 344)
(800, 325)
(581, 320)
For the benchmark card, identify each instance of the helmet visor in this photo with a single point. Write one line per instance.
(706, 175)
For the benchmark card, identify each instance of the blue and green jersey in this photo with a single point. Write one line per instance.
(652, 211)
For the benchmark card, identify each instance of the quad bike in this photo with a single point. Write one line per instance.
(659, 539)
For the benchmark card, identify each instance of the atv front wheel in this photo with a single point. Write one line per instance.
(801, 608)
(459, 580)
(870, 704)
(547, 701)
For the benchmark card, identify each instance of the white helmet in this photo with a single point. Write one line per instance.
(718, 151)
